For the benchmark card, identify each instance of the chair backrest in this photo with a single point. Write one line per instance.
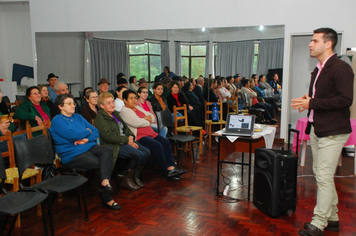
(246, 100)
(30, 129)
(23, 98)
(183, 111)
(164, 119)
(232, 106)
(210, 111)
(10, 153)
(32, 151)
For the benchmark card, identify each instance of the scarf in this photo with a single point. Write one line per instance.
(160, 100)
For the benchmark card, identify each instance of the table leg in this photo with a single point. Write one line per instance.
(303, 151)
(218, 169)
(249, 172)
(242, 167)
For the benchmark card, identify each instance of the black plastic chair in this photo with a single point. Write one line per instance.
(39, 150)
(16, 202)
(258, 112)
(164, 119)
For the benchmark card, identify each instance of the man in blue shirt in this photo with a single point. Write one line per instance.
(52, 80)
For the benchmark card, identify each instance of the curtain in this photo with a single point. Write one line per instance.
(207, 60)
(270, 55)
(164, 55)
(108, 58)
(236, 57)
(178, 70)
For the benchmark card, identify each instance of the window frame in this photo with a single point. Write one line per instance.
(190, 57)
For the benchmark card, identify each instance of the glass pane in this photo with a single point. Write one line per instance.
(139, 66)
(155, 48)
(255, 60)
(198, 50)
(198, 67)
(138, 49)
(257, 47)
(155, 67)
(215, 50)
(185, 67)
(184, 50)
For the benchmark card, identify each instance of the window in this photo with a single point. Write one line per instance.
(145, 60)
(193, 60)
(255, 59)
(215, 58)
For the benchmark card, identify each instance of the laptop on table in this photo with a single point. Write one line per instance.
(239, 125)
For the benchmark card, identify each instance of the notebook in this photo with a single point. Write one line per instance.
(239, 125)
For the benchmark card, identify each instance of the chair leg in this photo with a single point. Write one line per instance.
(192, 149)
(12, 224)
(201, 142)
(78, 199)
(50, 200)
(178, 164)
(44, 218)
(85, 204)
(209, 135)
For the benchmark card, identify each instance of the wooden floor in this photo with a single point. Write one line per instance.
(189, 206)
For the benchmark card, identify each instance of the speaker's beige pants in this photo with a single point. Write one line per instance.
(326, 152)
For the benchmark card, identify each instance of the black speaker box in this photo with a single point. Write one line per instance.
(275, 181)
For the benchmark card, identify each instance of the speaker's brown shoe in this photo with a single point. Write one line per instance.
(311, 231)
(332, 226)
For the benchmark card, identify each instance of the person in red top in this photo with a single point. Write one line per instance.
(34, 110)
(139, 121)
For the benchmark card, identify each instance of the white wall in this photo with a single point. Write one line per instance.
(15, 37)
(299, 17)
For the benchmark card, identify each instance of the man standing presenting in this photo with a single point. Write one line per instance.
(328, 103)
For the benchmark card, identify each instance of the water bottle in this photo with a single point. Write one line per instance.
(215, 113)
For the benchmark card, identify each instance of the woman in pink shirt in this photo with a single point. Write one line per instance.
(142, 102)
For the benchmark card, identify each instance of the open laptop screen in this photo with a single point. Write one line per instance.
(240, 122)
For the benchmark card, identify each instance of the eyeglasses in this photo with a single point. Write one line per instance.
(70, 103)
(109, 103)
(144, 92)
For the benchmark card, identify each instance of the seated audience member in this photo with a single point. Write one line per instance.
(143, 83)
(274, 84)
(221, 90)
(198, 89)
(62, 88)
(52, 80)
(116, 134)
(119, 102)
(255, 78)
(166, 82)
(209, 91)
(104, 86)
(121, 82)
(139, 122)
(133, 84)
(75, 141)
(237, 81)
(3, 107)
(195, 102)
(230, 85)
(120, 75)
(142, 102)
(176, 98)
(270, 100)
(254, 102)
(84, 99)
(262, 82)
(34, 110)
(260, 99)
(158, 102)
(45, 98)
(193, 82)
(167, 73)
(90, 110)
(6, 125)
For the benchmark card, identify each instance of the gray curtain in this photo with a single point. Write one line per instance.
(207, 59)
(178, 70)
(108, 58)
(164, 55)
(270, 55)
(235, 57)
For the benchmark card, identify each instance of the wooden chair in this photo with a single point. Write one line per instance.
(12, 174)
(186, 128)
(208, 122)
(232, 108)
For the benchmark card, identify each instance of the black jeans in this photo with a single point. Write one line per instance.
(138, 157)
(160, 149)
(98, 157)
